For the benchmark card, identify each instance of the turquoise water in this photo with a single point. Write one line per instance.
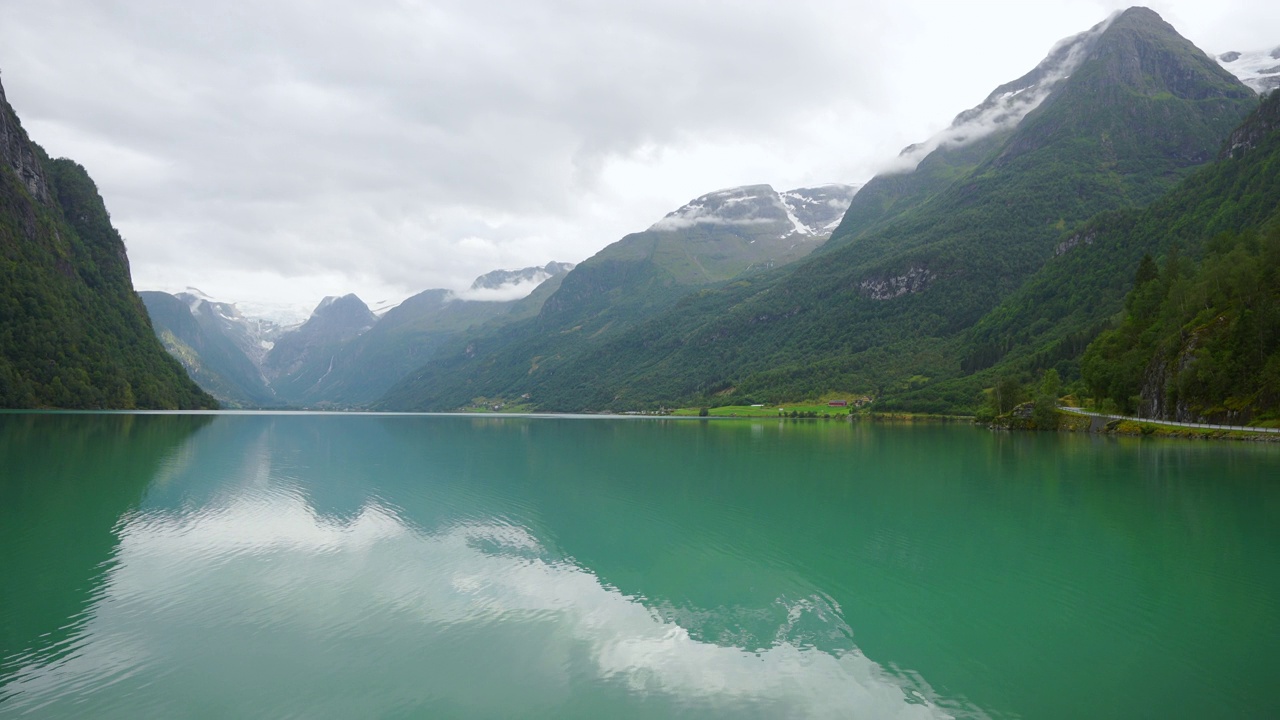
(410, 566)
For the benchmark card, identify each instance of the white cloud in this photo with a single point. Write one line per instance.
(1003, 110)
(258, 149)
(504, 292)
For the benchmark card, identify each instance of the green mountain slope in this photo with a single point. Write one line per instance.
(1200, 341)
(886, 311)
(73, 334)
(924, 170)
(742, 232)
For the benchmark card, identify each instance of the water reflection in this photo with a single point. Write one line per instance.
(65, 480)
(352, 566)
(249, 582)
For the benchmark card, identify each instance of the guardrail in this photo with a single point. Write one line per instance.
(1243, 428)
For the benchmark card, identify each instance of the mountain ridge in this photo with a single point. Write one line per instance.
(883, 312)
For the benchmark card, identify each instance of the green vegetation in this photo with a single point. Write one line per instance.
(73, 334)
(1198, 342)
(1200, 339)
(797, 410)
(988, 264)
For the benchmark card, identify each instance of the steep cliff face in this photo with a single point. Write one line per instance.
(1259, 127)
(1161, 377)
(19, 153)
(73, 333)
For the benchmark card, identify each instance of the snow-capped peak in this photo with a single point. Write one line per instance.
(802, 214)
(732, 206)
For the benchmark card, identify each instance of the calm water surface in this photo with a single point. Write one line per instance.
(331, 566)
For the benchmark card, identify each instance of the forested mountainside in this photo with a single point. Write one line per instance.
(73, 334)
(723, 236)
(1114, 118)
(1199, 338)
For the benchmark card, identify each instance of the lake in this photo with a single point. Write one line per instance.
(342, 566)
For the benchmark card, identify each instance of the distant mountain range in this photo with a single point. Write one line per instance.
(344, 355)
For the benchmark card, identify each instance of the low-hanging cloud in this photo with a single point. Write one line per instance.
(503, 293)
(1010, 103)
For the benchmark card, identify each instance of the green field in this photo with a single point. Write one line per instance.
(768, 410)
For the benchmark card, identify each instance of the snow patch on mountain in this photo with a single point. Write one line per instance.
(748, 205)
(1259, 69)
(802, 214)
(1008, 104)
(816, 211)
(254, 335)
(381, 307)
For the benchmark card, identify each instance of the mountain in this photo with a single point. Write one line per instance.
(1259, 70)
(302, 358)
(219, 348)
(73, 334)
(517, 282)
(767, 226)
(718, 237)
(922, 170)
(1199, 335)
(1114, 118)
(411, 333)
(343, 355)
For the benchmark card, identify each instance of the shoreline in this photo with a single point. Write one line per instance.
(1069, 422)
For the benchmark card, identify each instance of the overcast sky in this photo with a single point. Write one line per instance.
(283, 150)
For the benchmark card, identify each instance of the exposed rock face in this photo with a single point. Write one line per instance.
(1072, 242)
(18, 153)
(1259, 127)
(1156, 381)
(914, 280)
(1159, 394)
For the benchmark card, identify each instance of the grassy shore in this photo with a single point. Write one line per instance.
(771, 411)
(815, 410)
